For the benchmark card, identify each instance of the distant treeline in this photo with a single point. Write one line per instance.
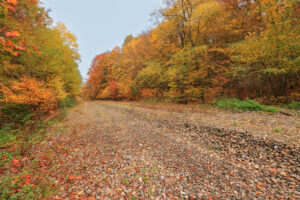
(205, 49)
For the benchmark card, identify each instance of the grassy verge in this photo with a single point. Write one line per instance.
(294, 105)
(244, 105)
(24, 172)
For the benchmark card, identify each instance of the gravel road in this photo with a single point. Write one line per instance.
(123, 151)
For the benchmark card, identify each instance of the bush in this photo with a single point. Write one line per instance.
(17, 113)
(243, 105)
(178, 98)
(294, 105)
(69, 102)
(151, 100)
(271, 109)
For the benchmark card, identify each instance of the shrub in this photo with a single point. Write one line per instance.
(243, 105)
(151, 100)
(29, 91)
(271, 109)
(178, 98)
(294, 105)
(17, 113)
(69, 102)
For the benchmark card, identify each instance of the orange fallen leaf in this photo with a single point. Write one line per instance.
(259, 187)
(273, 170)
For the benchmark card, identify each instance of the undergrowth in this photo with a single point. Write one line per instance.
(244, 105)
(294, 105)
(21, 176)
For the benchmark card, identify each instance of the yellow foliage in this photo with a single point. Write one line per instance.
(29, 91)
(57, 85)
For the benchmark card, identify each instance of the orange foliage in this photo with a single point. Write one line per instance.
(30, 92)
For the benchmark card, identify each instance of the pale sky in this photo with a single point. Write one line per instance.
(100, 25)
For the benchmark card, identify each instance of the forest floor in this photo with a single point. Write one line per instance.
(119, 150)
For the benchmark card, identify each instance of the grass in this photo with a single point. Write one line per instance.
(294, 105)
(151, 100)
(5, 136)
(17, 138)
(244, 105)
(15, 177)
(278, 130)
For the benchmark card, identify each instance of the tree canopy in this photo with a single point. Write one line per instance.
(38, 61)
(204, 49)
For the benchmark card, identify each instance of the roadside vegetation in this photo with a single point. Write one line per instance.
(24, 174)
(294, 105)
(245, 105)
(39, 80)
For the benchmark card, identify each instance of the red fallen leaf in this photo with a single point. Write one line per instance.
(35, 48)
(273, 171)
(15, 162)
(210, 198)
(12, 34)
(246, 186)
(27, 180)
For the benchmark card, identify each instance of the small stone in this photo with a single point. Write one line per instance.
(274, 180)
(88, 192)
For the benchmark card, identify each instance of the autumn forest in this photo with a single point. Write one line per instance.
(202, 105)
(205, 49)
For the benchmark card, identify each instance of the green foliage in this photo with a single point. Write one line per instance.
(294, 105)
(271, 109)
(243, 105)
(151, 100)
(69, 102)
(16, 113)
(153, 77)
(278, 130)
(134, 91)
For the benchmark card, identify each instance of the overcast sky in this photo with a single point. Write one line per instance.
(100, 25)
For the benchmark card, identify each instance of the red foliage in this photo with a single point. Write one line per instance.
(114, 89)
(13, 2)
